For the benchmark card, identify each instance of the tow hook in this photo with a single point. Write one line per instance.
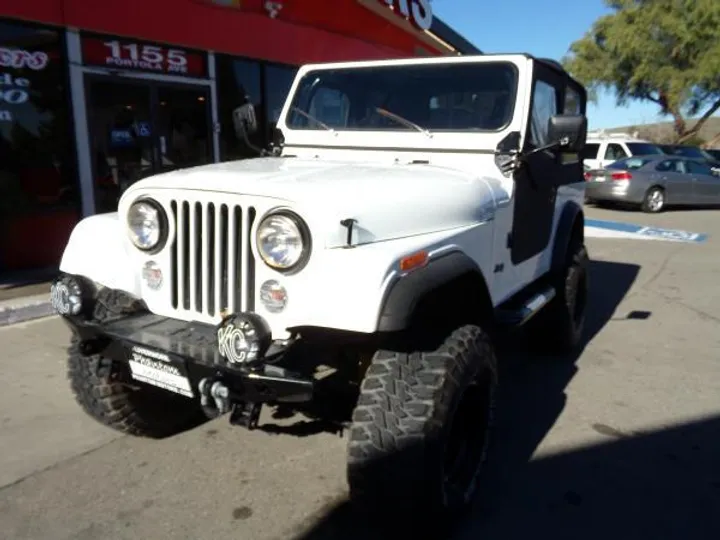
(215, 395)
(217, 392)
(246, 415)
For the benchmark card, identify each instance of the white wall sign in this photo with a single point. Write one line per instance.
(15, 91)
(417, 11)
(18, 59)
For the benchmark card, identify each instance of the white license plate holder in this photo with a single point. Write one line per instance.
(159, 369)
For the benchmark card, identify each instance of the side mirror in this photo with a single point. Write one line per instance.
(244, 121)
(568, 132)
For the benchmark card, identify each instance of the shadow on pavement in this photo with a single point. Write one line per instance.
(517, 492)
(654, 485)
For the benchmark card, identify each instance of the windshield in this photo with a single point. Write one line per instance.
(643, 149)
(451, 97)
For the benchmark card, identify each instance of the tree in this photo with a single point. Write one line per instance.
(663, 51)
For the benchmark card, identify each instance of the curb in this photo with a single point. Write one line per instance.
(25, 309)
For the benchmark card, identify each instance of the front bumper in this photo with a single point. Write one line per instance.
(183, 357)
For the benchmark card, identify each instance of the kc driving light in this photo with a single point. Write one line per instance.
(146, 224)
(283, 241)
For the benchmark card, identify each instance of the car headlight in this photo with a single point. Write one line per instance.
(147, 224)
(283, 241)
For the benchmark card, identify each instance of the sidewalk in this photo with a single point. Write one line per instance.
(25, 296)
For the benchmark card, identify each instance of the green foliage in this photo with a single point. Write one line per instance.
(664, 51)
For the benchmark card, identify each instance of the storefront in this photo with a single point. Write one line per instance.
(95, 96)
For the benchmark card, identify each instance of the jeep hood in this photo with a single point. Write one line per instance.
(388, 201)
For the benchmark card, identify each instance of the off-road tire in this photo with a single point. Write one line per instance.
(558, 329)
(647, 205)
(104, 390)
(402, 422)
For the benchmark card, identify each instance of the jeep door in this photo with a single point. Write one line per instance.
(536, 184)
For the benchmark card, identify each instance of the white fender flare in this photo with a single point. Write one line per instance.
(96, 250)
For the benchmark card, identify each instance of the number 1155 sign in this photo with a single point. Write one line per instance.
(138, 56)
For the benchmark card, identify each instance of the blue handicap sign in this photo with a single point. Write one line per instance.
(143, 129)
(672, 234)
(642, 231)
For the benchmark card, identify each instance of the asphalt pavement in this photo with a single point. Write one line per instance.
(623, 441)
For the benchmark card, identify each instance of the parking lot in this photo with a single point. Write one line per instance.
(623, 441)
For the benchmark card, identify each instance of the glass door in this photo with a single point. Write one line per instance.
(182, 124)
(119, 113)
(138, 128)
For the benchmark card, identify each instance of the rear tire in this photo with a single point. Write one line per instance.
(558, 329)
(415, 412)
(654, 200)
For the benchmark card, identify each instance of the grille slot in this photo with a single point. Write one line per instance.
(212, 266)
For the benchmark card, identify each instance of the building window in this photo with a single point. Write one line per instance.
(239, 82)
(39, 193)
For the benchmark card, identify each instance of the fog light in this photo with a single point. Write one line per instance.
(243, 338)
(152, 275)
(273, 296)
(66, 296)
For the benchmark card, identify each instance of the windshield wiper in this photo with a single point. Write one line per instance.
(312, 118)
(404, 121)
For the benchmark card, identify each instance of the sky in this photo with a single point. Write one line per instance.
(543, 28)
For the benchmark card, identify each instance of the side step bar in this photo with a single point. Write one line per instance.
(518, 316)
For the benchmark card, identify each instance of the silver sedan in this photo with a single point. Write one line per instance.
(654, 182)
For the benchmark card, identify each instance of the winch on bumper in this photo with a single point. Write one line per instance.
(229, 367)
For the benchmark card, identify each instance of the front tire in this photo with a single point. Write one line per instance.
(421, 428)
(104, 390)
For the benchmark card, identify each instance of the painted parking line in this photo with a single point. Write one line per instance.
(598, 228)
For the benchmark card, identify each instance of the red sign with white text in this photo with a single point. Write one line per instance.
(139, 56)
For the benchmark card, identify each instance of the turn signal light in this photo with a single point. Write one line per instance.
(621, 176)
(411, 262)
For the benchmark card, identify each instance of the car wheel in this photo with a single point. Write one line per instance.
(105, 391)
(558, 329)
(654, 200)
(420, 431)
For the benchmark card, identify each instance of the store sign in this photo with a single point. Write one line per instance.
(18, 59)
(417, 11)
(138, 56)
(15, 90)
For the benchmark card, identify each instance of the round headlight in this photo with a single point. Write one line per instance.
(282, 240)
(146, 224)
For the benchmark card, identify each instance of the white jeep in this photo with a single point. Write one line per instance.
(411, 212)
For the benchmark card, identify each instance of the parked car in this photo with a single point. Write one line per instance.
(691, 152)
(602, 149)
(653, 182)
